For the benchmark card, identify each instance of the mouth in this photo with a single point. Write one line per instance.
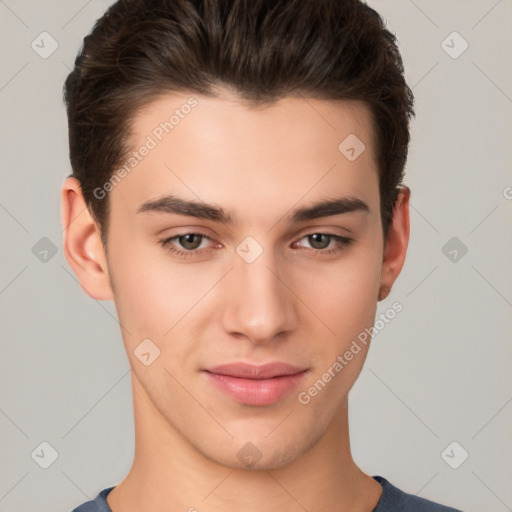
(256, 385)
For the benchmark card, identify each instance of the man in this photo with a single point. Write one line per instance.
(237, 192)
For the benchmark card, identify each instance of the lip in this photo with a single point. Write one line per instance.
(256, 384)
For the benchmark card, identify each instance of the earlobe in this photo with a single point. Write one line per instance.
(82, 242)
(396, 243)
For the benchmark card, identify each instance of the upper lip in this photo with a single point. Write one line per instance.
(251, 371)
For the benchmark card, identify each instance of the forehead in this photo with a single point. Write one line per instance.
(293, 118)
(249, 156)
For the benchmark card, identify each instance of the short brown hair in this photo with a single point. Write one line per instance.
(262, 49)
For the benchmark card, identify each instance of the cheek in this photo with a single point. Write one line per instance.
(146, 293)
(157, 298)
(344, 293)
(345, 298)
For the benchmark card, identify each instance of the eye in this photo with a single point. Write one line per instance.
(321, 242)
(191, 242)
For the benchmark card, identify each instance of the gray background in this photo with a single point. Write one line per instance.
(439, 372)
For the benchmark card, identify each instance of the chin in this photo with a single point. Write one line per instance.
(254, 459)
(257, 452)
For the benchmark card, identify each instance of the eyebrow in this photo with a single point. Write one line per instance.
(175, 205)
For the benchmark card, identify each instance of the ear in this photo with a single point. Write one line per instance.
(396, 243)
(82, 243)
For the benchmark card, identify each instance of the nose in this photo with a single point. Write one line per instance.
(259, 304)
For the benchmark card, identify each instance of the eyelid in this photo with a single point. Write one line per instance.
(327, 230)
(341, 243)
(204, 236)
(322, 231)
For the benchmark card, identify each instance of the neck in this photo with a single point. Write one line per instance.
(169, 474)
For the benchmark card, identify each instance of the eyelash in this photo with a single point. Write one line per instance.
(341, 241)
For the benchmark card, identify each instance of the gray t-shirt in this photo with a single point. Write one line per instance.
(391, 500)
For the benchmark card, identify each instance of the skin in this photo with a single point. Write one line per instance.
(291, 304)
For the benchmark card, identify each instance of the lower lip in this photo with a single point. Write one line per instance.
(256, 392)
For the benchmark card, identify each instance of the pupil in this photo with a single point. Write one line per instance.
(187, 241)
(316, 239)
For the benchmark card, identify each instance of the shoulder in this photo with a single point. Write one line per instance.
(98, 504)
(395, 500)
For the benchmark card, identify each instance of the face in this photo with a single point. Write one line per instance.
(236, 309)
